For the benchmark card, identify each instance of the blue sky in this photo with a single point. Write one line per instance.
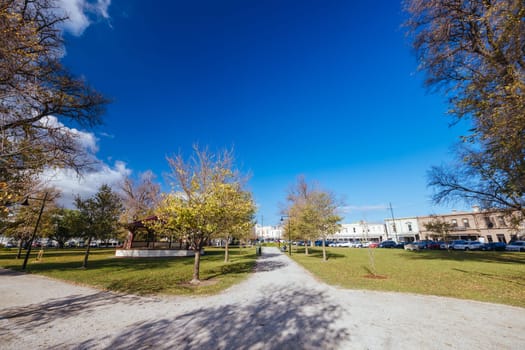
(327, 89)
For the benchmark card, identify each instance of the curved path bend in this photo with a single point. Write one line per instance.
(281, 306)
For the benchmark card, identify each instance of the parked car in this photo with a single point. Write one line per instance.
(458, 244)
(499, 246)
(357, 244)
(339, 244)
(373, 245)
(465, 245)
(516, 246)
(400, 245)
(443, 244)
(474, 245)
(433, 245)
(387, 244)
(418, 245)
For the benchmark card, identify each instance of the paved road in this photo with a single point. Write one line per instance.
(280, 307)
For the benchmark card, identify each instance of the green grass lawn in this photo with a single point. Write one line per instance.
(139, 276)
(485, 276)
(497, 277)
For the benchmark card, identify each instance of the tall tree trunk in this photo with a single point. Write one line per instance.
(196, 267)
(227, 251)
(86, 255)
(306, 247)
(20, 245)
(324, 250)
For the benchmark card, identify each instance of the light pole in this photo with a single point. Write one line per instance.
(30, 243)
(289, 234)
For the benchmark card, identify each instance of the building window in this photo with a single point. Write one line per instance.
(501, 238)
(489, 238)
(488, 222)
(466, 223)
(409, 225)
(354, 229)
(454, 223)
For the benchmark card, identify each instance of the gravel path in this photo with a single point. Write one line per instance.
(280, 307)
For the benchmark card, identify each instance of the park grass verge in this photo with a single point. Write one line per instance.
(497, 277)
(142, 276)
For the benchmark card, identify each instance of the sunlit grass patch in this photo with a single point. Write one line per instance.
(497, 277)
(139, 275)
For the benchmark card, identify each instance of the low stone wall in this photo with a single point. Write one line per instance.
(152, 253)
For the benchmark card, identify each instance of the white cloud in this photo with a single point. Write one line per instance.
(86, 140)
(67, 181)
(80, 13)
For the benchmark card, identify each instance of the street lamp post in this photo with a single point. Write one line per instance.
(30, 243)
(289, 234)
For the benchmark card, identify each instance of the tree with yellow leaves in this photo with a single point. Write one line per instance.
(207, 201)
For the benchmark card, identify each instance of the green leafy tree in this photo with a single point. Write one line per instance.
(313, 213)
(98, 217)
(206, 187)
(326, 218)
(38, 96)
(235, 221)
(20, 224)
(64, 225)
(298, 225)
(473, 51)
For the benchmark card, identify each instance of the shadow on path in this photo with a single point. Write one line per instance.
(284, 319)
(36, 315)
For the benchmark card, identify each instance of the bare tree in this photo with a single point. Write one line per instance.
(474, 52)
(38, 95)
(139, 197)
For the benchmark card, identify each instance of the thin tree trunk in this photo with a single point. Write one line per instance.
(324, 250)
(227, 251)
(86, 255)
(306, 247)
(20, 245)
(196, 267)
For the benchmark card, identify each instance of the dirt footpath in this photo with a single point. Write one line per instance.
(280, 307)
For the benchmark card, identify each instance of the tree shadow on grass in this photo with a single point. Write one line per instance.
(284, 319)
(478, 256)
(318, 253)
(493, 276)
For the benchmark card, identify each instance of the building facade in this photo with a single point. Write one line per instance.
(483, 225)
(403, 229)
(360, 231)
(268, 233)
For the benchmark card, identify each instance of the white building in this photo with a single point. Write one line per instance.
(403, 229)
(361, 231)
(268, 233)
